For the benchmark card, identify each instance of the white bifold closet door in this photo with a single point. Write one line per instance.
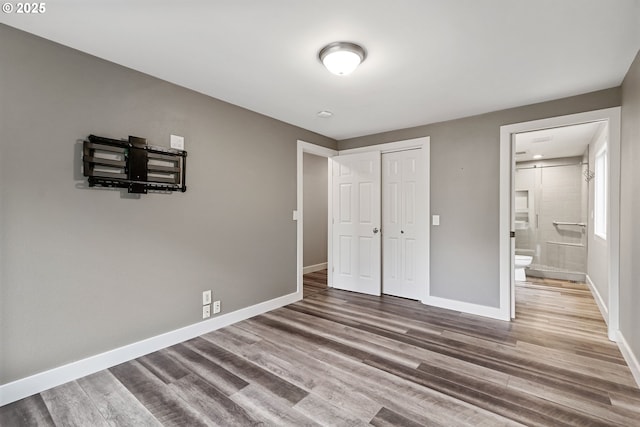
(356, 222)
(403, 222)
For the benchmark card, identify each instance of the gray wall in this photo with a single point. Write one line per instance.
(597, 264)
(88, 270)
(315, 209)
(464, 191)
(630, 209)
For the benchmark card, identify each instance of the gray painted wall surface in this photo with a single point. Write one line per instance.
(464, 191)
(630, 209)
(88, 270)
(315, 210)
(597, 265)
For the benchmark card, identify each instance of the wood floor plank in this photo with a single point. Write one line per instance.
(224, 380)
(164, 366)
(604, 411)
(271, 409)
(350, 398)
(385, 387)
(165, 405)
(286, 366)
(516, 406)
(387, 418)
(326, 413)
(211, 402)
(69, 405)
(250, 372)
(116, 404)
(626, 402)
(351, 337)
(30, 411)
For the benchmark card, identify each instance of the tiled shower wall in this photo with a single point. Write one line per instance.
(556, 193)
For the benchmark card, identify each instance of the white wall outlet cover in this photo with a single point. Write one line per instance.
(216, 307)
(295, 215)
(177, 142)
(206, 311)
(436, 220)
(206, 297)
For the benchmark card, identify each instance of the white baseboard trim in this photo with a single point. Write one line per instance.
(37, 383)
(465, 307)
(599, 301)
(629, 357)
(316, 267)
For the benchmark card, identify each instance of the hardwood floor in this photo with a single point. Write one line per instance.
(314, 282)
(339, 358)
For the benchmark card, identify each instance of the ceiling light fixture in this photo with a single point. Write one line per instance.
(342, 58)
(537, 156)
(325, 114)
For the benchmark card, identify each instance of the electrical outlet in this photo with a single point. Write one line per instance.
(216, 307)
(206, 297)
(206, 311)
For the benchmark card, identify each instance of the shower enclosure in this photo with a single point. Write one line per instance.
(551, 216)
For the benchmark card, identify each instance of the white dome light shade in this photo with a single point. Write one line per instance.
(342, 58)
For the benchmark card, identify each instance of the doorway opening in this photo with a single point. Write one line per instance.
(553, 188)
(315, 223)
(559, 214)
(316, 154)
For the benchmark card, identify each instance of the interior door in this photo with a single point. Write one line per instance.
(356, 222)
(403, 221)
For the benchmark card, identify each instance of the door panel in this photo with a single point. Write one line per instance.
(404, 221)
(356, 219)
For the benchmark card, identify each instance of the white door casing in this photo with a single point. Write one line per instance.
(404, 218)
(610, 115)
(356, 222)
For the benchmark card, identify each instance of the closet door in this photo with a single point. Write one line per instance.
(404, 219)
(356, 222)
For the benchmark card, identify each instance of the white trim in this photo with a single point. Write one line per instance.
(466, 307)
(629, 357)
(388, 147)
(318, 150)
(317, 267)
(329, 222)
(612, 116)
(599, 301)
(37, 383)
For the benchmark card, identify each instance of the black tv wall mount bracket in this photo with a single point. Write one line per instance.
(133, 165)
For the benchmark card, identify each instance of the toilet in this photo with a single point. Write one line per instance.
(521, 262)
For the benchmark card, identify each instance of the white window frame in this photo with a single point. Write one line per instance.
(600, 194)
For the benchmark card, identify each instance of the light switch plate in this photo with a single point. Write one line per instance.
(436, 220)
(177, 142)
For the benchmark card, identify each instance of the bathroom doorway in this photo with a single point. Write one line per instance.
(560, 210)
(552, 179)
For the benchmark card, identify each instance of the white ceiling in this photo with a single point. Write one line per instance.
(567, 141)
(427, 61)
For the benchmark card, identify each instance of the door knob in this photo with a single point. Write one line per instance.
(375, 230)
